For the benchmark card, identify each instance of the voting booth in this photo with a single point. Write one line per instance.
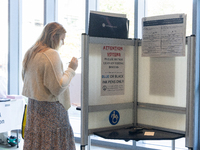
(158, 92)
(128, 95)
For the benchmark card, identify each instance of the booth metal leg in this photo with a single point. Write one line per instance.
(89, 143)
(86, 147)
(83, 147)
(173, 144)
(17, 138)
(134, 144)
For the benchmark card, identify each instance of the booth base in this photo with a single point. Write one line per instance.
(137, 134)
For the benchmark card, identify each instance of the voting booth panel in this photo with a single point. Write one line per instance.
(162, 80)
(100, 120)
(162, 83)
(163, 120)
(95, 97)
(101, 106)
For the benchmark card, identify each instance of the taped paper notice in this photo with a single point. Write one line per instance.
(112, 70)
(164, 36)
(149, 133)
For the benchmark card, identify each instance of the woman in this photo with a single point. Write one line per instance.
(47, 87)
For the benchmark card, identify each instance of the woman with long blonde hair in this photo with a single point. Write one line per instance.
(46, 85)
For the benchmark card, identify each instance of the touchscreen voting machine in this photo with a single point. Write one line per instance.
(108, 25)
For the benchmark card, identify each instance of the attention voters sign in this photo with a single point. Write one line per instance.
(112, 70)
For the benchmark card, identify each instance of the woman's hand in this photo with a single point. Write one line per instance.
(73, 64)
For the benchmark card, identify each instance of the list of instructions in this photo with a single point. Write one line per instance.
(112, 70)
(164, 36)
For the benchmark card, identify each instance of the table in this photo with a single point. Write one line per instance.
(135, 133)
(11, 115)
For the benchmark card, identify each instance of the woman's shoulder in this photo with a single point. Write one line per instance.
(52, 55)
(51, 51)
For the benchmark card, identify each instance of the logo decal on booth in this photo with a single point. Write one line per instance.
(114, 117)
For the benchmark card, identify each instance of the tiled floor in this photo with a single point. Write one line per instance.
(6, 147)
(75, 122)
(154, 145)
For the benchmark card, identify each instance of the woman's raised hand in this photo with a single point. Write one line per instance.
(73, 63)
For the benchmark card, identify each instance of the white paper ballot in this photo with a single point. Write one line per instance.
(164, 36)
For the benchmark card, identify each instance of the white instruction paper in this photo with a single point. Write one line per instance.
(164, 36)
(112, 70)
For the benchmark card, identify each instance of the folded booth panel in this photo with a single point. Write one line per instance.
(162, 80)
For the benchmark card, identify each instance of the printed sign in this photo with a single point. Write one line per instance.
(164, 36)
(112, 70)
(2, 121)
(11, 114)
(114, 117)
(5, 115)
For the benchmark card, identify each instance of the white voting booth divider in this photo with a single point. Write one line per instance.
(158, 92)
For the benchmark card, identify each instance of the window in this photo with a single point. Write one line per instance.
(4, 48)
(71, 14)
(32, 22)
(32, 25)
(161, 7)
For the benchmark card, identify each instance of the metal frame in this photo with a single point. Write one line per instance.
(89, 5)
(196, 32)
(135, 84)
(166, 108)
(84, 92)
(85, 140)
(140, 12)
(14, 46)
(191, 93)
(50, 7)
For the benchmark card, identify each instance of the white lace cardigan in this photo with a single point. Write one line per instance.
(45, 80)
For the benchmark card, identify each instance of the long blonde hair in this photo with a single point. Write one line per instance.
(49, 38)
